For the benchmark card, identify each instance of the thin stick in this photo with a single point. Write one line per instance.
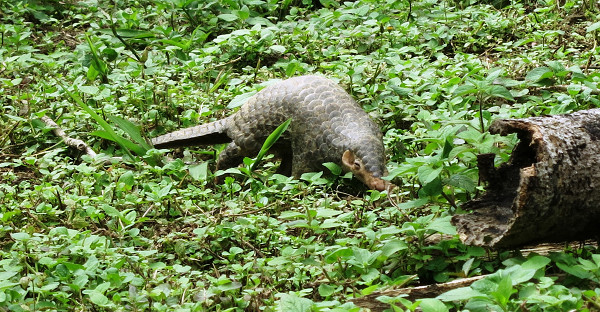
(76, 143)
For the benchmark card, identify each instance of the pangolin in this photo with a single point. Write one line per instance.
(327, 125)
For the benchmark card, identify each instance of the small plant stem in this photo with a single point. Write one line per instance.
(127, 45)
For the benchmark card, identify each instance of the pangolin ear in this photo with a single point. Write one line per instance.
(348, 159)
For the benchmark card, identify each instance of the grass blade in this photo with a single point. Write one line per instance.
(271, 139)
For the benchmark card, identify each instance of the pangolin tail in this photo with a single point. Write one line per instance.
(205, 134)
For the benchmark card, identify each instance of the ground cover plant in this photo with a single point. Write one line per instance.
(147, 232)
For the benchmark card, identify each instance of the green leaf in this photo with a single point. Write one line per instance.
(442, 225)
(447, 149)
(278, 48)
(522, 275)
(244, 13)
(461, 181)
(199, 172)
(393, 247)
(339, 253)
(132, 130)
(127, 178)
(91, 90)
(20, 236)
(239, 100)
(293, 303)
(326, 290)
(593, 27)
(465, 89)
(433, 305)
(504, 290)
(111, 211)
(575, 270)
(103, 134)
(98, 298)
(271, 139)
(539, 73)
(416, 203)
(110, 54)
(228, 17)
(334, 168)
(501, 91)
(463, 293)
(535, 262)
(427, 174)
(107, 128)
(291, 69)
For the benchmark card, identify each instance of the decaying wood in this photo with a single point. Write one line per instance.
(414, 293)
(547, 192)
(76, 143)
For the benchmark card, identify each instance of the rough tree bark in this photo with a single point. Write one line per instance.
(547, 192)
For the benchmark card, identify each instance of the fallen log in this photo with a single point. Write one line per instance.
(413, 294)
(549, 189)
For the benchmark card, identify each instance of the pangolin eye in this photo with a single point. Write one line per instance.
(356, 165)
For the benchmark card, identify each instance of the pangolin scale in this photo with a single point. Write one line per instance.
(327, 126)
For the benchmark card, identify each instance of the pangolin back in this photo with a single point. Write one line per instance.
(327, 126)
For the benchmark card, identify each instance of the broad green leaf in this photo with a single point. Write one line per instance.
(465, 89)
(239, 100)
(501, 91)
(482, 304)
(461, 181)
(447, 149)
(293, 303)
(442, 225)
(98, 298)
(330, 224)
(522, 275)
(20, 236)
(291, 69)
(432, 188)
(504, 290)
(179, 44)
(539, 73)
(91, 90)
(127, 178)
(535, 262)
(339, 253)
(433, 305)
(244, 13)
(326, 290)
(278, 48)
(393, 247)
(228, 17)
(111, 211)
(229, 286)
(110, 54)
(575, 270)
(427, 174)
(463, 293)
(165, 190)
(416, 203)
(327, 213)
(593, 27)
(334, 168)
(199, 172)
